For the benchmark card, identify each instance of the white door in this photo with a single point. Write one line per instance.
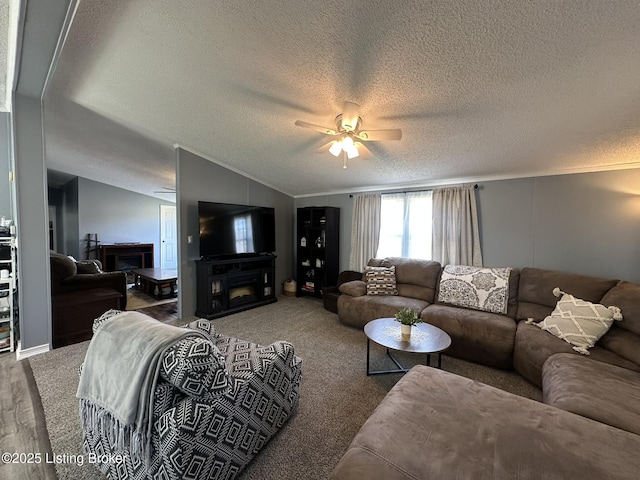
(168, 237)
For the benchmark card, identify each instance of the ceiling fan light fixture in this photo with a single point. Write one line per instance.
(335, 148)
(352, 152)
(348, 133)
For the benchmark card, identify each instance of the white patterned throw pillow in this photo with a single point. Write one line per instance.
(479, 288)
(381, 280)
(578, 322)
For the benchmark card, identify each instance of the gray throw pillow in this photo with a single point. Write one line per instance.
(88, 267)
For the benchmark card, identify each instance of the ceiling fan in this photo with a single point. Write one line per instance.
(350, 134)
(169, 190)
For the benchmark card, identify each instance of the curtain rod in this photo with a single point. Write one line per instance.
(475, 186)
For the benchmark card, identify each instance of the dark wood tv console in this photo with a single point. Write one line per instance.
(230, 285)
(126, 256)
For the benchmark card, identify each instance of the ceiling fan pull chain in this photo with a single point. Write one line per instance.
(344, 160)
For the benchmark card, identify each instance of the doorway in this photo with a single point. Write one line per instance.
(168, 237)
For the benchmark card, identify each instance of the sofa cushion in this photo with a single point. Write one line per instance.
(578, 322)
(535, 291)
(625, 295)
(533, 346)
(437, 425)
(415, 278)
(357, 312)
(355, 288)
(475, 287)
(381, 280)
(600, 391)
(622, 342)
(477, 336)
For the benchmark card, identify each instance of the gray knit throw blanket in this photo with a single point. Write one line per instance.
(119, 377)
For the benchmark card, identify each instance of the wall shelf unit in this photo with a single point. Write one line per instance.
(8, 293)
(318, 249)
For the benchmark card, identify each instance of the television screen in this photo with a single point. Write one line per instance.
(227, 229)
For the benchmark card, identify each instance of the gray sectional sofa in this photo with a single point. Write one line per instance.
(590, 413)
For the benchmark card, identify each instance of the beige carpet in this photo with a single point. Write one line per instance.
(336, 395)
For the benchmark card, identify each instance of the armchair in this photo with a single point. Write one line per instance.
(217, 402)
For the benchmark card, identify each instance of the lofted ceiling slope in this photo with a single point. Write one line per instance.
(481, 89)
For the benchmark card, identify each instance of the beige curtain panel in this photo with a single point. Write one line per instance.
(456, 240)
(365, 233)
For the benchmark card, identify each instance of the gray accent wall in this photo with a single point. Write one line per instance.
(33, 249)
(117, 216)
(38, 42)
(200, 179)
(587, 223)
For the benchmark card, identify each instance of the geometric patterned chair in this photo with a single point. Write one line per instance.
(214, 409)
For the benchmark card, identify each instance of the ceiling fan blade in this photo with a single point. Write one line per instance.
(171, 190)
(380, 135)
(325, 148)
(363, 151)
(350, 116)
(317, 128)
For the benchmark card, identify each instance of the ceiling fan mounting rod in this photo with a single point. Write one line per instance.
(345, 127)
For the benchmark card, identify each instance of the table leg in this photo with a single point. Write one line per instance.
(368, 352)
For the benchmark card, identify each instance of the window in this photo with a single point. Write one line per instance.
(405, 225)
(243, 233)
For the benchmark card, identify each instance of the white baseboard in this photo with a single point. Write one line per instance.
(30, 352)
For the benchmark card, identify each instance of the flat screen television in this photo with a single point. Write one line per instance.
(228, 229)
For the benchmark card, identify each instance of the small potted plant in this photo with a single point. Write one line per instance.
(407, 319)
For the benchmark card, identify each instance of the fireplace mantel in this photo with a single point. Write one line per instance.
(126, 256)
(230, 285)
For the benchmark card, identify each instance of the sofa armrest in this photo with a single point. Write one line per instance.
(354, 288)
(85, 281)
(329, 290)
(344, 277)
(348, 276)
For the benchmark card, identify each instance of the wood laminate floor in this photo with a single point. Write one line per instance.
(22, 425)
(23, 431)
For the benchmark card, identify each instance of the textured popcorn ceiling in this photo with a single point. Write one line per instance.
(480, 89)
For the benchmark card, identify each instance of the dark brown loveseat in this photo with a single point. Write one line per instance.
(68, 275)
(81, 292)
